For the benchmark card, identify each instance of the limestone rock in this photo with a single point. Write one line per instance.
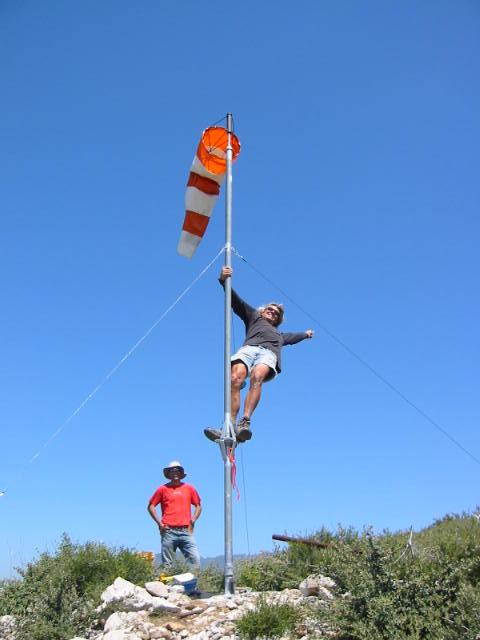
(176, 627)
(125, 596)
(160, 604)
(7, 627)
(179, 599)
(177, 588)
(317, 585)
(123, 620)
(157, 588)
(121, 634)
(160, 632)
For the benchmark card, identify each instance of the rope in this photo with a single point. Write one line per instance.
(245, 510)
(368, 366)
(231, 457)
(118, 365)
(218, 121)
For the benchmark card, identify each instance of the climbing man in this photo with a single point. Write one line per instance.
(258, 358)
(176, 499)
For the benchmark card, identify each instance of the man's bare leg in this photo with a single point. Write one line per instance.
(239, 373)
(257, 377)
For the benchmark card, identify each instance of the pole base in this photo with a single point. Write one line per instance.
(229, 586)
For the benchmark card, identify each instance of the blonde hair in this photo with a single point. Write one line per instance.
(280, 308)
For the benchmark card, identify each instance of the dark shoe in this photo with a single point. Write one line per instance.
(243, 431)
(212, 434)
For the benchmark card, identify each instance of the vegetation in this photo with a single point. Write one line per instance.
(57, 594)
(391, 586)
(268, 621)
(211, 579)
(388, 588)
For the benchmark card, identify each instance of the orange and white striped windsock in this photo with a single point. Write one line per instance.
(203, 187)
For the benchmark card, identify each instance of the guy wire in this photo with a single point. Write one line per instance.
(362, 361)
(117, 366)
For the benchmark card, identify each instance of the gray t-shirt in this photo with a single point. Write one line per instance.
(259, 332)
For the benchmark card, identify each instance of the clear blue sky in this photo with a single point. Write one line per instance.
(357, 192)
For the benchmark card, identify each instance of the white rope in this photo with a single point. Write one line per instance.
(118, 365)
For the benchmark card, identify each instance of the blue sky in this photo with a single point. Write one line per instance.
(356, 193)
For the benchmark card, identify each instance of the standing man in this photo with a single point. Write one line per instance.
(258, 358)
(176, 499)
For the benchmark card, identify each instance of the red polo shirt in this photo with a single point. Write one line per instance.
(176, 504)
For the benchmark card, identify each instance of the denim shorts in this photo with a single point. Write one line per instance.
(251, 356)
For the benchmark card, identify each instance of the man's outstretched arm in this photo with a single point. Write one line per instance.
(293, 338)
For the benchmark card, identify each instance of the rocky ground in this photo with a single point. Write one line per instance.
(129, 612)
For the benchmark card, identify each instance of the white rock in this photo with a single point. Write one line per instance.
(217, 601)
(157, 588)
(160, 604)
(160, 632)
(234, 615)
(7, 622)
(117, 620)
(314, 584)
(180, 599)
(324, 593)
(126, 596)
(120, 634)
(177, 588)
(327, 582)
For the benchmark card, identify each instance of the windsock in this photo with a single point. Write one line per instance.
(203, 187)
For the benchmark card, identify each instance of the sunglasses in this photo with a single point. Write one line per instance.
(273, 310)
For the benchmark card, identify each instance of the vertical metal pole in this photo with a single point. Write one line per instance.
(227, 424)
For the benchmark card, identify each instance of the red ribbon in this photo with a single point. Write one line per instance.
(231, 457)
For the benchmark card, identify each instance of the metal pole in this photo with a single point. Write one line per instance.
(228, 441)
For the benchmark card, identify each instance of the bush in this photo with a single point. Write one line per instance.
(267, 621)
(58, 593)
(211, 579)
(391, 591)
(387, 590)
(267, 572)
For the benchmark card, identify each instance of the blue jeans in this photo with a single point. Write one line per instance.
(173, 539)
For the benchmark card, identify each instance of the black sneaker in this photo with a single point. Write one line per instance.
(212, 434)
(243, 431)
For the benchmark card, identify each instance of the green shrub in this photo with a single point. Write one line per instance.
(430, 591)
(267, 621)
(211, 579)
(386, 589)
(56, 595)
(267, 572)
